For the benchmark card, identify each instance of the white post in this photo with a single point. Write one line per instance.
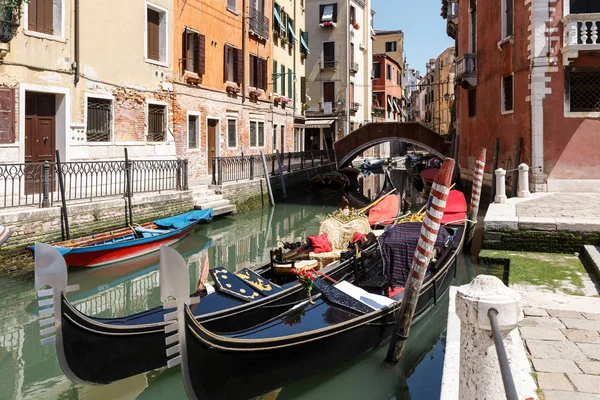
(500, 186)
(480, 376)
(524, 181)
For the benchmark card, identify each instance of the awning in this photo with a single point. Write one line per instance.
(277, 16)
(318, 123)
(395, 102)
(303, 43)
(390, 106)
(327, 13)
(291, 30)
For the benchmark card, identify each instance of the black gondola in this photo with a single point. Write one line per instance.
(330, 183)
(101, 350)
(359, 200)
(305, 341)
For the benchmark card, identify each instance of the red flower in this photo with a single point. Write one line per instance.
(293, 270)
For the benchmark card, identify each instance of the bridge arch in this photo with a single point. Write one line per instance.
(371, 134)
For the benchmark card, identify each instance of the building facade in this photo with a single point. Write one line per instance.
(443, 92)
(527, 70)
(338, 69)
(387, 89)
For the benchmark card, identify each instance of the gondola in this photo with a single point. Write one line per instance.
(359, 200)
(330, 183)
(372, 163)
(4, 234)
(102, 350)
(306, 340)
(126, 243)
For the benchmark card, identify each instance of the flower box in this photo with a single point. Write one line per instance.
(327, 24)
(232, 89)
(356, 25)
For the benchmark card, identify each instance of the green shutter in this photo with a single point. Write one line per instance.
(290, 86)
(282, 80)
(274, 80)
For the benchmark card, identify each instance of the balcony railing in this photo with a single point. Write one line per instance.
(259, 24)
(354, 106)
(452, 18)
(582, 33)
(353, 67)
(328, 62)
(466, 69)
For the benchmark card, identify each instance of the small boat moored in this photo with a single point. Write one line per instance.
(330, 183)
(4, 234)
(372, 163)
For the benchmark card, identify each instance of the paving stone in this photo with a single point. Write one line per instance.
(562, 395)
(555, 365)
(582, 335)
(591, 351)
(535, 312)
(555, 349)
(587, 324)
(594, 317)
(548, 322)
(590, 367)
(553, 381)
(586, 383)
(545, 333)
(565, 314)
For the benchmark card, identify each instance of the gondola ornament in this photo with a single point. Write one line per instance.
(51, 283)
(174, 293)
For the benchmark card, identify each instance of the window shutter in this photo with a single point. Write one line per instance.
(184, 51)
(273, 78)
(239, 67)
(303, 89)
(7, 114)
(290, 87)
(153, 32)
(335, 13)
(265, 74)
(200, 53)
(48, 5)
(225, 65)
(33, 15)
(252, 70)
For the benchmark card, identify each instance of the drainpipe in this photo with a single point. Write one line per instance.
(294, 80)
(76, 29)
(243, 66)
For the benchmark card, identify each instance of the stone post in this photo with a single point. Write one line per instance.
(500, 186)
(524, 181)
(480, 376)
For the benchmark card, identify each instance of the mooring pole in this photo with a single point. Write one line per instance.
(495, 167)
(128, 186)
(475, 195)
(61, 184)
(278, 155)
(421, 259)
(264, 161)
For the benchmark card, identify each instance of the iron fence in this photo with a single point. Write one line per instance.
(37, 184)
(237, 168)
(258, 22)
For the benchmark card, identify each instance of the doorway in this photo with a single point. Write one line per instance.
(40, 134)
(211, 136)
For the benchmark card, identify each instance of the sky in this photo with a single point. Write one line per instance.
(424, 30)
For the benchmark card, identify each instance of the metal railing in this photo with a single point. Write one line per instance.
(328, 62)
(507, 378)
(353, 66)
(37, 184)
(237, 168)
(259, 23)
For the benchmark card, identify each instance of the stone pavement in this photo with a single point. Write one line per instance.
(564, 348)
(562, 205)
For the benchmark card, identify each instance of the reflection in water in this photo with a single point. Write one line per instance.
(30, 371)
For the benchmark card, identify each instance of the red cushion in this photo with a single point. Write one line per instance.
(358, 236)
(456, 208)
(320, 244)
(395, 291)
(385, 211)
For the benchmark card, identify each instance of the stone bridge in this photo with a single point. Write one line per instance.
(371, 134)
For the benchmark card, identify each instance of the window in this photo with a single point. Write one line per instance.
(274, 137)
(472, 102)
(304, 50)
(473, 31)
(376, 70)
(99, 120)
(582, 89)
(257, 134)
(328, 54)
(156, 31)
(329, 92)
(290, 84)
(282, 80)
(584, 6)
(258, 72)
(232, 5)
(352, 14)
(7, 115)
(297, 140)
(507, 18)
(507, 94)
(193, 131)
(233, 62)
(157, 123)
(391, 46)
(193, 52)
(41, 16)
(389, 72)
(232, 133)
(274, 80)
(328, 12)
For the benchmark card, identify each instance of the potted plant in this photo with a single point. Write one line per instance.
(304, 108)
(10, 17)
(355, 25)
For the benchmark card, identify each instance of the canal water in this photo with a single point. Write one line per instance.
(31, 371)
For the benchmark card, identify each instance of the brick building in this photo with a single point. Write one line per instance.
(528, 69)
(387, 89)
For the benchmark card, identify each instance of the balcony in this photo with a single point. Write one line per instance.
(581, 33)
(328, 62)
(466, 70)
(354, 67)
(452, 18)
(259, 24)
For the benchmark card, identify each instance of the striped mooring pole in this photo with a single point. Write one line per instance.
(421, 259)
(477, 183)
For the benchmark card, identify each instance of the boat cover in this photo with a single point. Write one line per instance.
(456, 207)
(182, 220)
(398, 246)
(429, 174)
(385, 211)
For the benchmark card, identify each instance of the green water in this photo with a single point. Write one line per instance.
(31, 371)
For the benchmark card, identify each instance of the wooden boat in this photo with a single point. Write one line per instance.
(330, 183)
(372, 163)
(102, 350)
(306, 340)
(4, 234)
(359, 200)
(428, 175)
(126, 243)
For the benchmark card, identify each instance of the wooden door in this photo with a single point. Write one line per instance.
(282, 141)
(40, 138)
(212, 142)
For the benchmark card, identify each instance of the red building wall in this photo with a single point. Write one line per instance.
(391, 87)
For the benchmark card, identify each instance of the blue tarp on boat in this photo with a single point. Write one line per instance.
(182, 220)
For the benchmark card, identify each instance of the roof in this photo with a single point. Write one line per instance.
(383, 32)
(384, 55)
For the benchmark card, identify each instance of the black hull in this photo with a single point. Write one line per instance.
(100, 351)
(219, 367)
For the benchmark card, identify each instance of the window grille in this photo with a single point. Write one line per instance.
(99, 120)
(156, 123)
(583, 90)
(507, 93)
(232, 133)
(472, 102)
(193, 132)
